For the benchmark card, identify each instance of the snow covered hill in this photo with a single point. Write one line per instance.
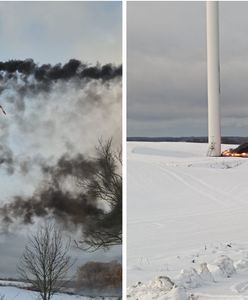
(188, 220)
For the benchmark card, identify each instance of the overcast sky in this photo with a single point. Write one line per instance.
(69, 113)
(167, 75)
(53, 32)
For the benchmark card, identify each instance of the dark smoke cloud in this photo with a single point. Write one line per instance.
(59, 195)
(12, 163)
(21, 80)
(69, 194)
(46, 72)
(30, 79)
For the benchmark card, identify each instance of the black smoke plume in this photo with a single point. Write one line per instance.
(40, 78)
(68, 193)
(73, 69)
(53, 198)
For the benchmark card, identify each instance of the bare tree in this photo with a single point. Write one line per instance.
(105, 229)
(45, 261)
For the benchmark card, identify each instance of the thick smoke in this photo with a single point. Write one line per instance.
(31, 79)
(58, 195)
(55, 117)
(46, 72)
(66, 193)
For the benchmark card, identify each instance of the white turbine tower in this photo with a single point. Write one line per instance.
(214, 135)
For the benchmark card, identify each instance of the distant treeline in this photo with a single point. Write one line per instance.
(190, 139)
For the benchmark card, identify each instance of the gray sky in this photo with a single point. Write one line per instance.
(167, 75)
(66, 118)
(53, 32)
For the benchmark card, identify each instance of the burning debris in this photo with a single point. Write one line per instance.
(240, 151)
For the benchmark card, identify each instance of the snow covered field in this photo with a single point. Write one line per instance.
(10, 293)
(11, 290)
(13, 293)
(188, 220)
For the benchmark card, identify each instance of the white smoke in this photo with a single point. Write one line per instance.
(45, 122)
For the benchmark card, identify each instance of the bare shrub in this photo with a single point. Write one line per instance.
(99, 275)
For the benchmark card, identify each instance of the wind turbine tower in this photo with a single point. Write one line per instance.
(213, 65)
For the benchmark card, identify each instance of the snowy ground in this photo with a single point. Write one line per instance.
(13, 293)
(12, 290)
(188, 220)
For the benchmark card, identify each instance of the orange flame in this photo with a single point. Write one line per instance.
(232, 153)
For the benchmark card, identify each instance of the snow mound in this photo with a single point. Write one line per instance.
(241, 264)
(205, 274)
(189, 279)
(177, 293)
(226, 266)
(154, 289)
(162, 283)
(216, 272)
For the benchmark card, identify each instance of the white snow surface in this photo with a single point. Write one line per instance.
(187, 217)
(14, 293)
(10, 293)
(10, 290)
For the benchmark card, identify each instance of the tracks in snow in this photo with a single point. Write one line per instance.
(240, 287)
(202, 296)
(195, 184)
(224, 200)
